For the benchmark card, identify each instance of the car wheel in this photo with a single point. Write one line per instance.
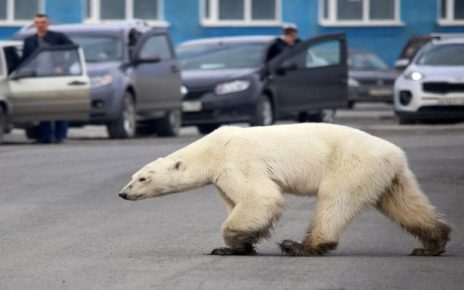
(350, 104)
(169, 125)
(2, 124)
(207, 128)
(264, 114)
(323, 116)
(124, 127)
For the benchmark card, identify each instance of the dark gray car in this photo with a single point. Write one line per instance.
(134, 75)
(370, 78)
(228, 80)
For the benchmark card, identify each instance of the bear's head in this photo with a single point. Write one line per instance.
(160, 177)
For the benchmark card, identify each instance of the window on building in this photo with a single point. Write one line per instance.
(19, 10)
(241, 12)
(359, 12)
(451, 11)
(149, 10)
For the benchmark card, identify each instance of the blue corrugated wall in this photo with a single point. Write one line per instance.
(418, 17)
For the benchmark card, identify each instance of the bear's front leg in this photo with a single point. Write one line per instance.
(247, 223)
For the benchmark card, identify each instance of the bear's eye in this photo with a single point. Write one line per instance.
(142, 179)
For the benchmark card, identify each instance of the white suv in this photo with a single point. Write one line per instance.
(432, 86)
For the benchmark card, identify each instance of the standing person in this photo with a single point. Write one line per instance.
(48, 132)
(288, 39)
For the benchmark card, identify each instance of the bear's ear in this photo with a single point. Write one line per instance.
(178, 165)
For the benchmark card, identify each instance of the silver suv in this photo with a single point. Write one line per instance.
(134, 76)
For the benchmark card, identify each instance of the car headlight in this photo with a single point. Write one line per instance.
(101, 81)
(352, 82)
(183, 90)
(232, 87)
(414, 76)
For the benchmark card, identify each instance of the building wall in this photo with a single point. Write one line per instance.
(183, 17)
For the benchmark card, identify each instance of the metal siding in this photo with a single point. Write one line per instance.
(185, 23)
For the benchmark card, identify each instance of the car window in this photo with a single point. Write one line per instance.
(156, 45)
(366, 61)
(412, 47)
(444, 54)
(63, 62)
(221, 56)
(321, 54)
(100, 48)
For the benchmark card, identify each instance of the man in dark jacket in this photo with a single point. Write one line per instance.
(288, 39)
(48, 132)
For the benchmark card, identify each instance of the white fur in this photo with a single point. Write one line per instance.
(345, 168)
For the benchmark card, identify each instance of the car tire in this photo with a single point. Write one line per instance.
(2, 124)
(207, 128)
(169, 125)
(264, 112)
(125, 126)
(323, 116)
(32, 132)
(351, 104)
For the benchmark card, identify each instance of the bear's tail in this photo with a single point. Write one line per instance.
(404, 203)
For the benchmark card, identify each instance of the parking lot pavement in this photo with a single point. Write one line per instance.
(62, 225)
(368, 117)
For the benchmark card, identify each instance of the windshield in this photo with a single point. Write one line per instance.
(100, 48)
(444, 54)
(220, 56)
(366, 61)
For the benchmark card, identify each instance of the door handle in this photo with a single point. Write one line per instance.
(77, 83)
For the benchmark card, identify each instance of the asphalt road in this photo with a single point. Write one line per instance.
(62, 225)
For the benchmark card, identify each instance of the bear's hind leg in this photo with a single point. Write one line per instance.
(248, 222)
(405, 204)
(333, 214)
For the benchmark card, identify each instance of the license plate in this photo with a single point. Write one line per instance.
(380, 92)
(451, 101)
(191, 106)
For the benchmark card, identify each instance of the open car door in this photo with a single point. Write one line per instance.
(156, 74)
(312, 75)
(52, 84)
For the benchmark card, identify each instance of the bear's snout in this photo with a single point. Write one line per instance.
(123, 195)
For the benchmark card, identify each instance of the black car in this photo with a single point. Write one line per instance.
(370, 78)
(227, 80)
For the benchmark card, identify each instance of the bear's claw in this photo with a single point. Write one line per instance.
(224, 251)
(292, 248)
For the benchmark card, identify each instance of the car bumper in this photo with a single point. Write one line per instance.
(103, 105)
(371, 94)
(434, 113)
(209, 108)
(425, 105)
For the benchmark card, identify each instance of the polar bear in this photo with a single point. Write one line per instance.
(345, 168)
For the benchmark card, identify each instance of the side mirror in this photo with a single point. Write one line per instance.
(152, 58)
(401, 64)
(22, 74)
